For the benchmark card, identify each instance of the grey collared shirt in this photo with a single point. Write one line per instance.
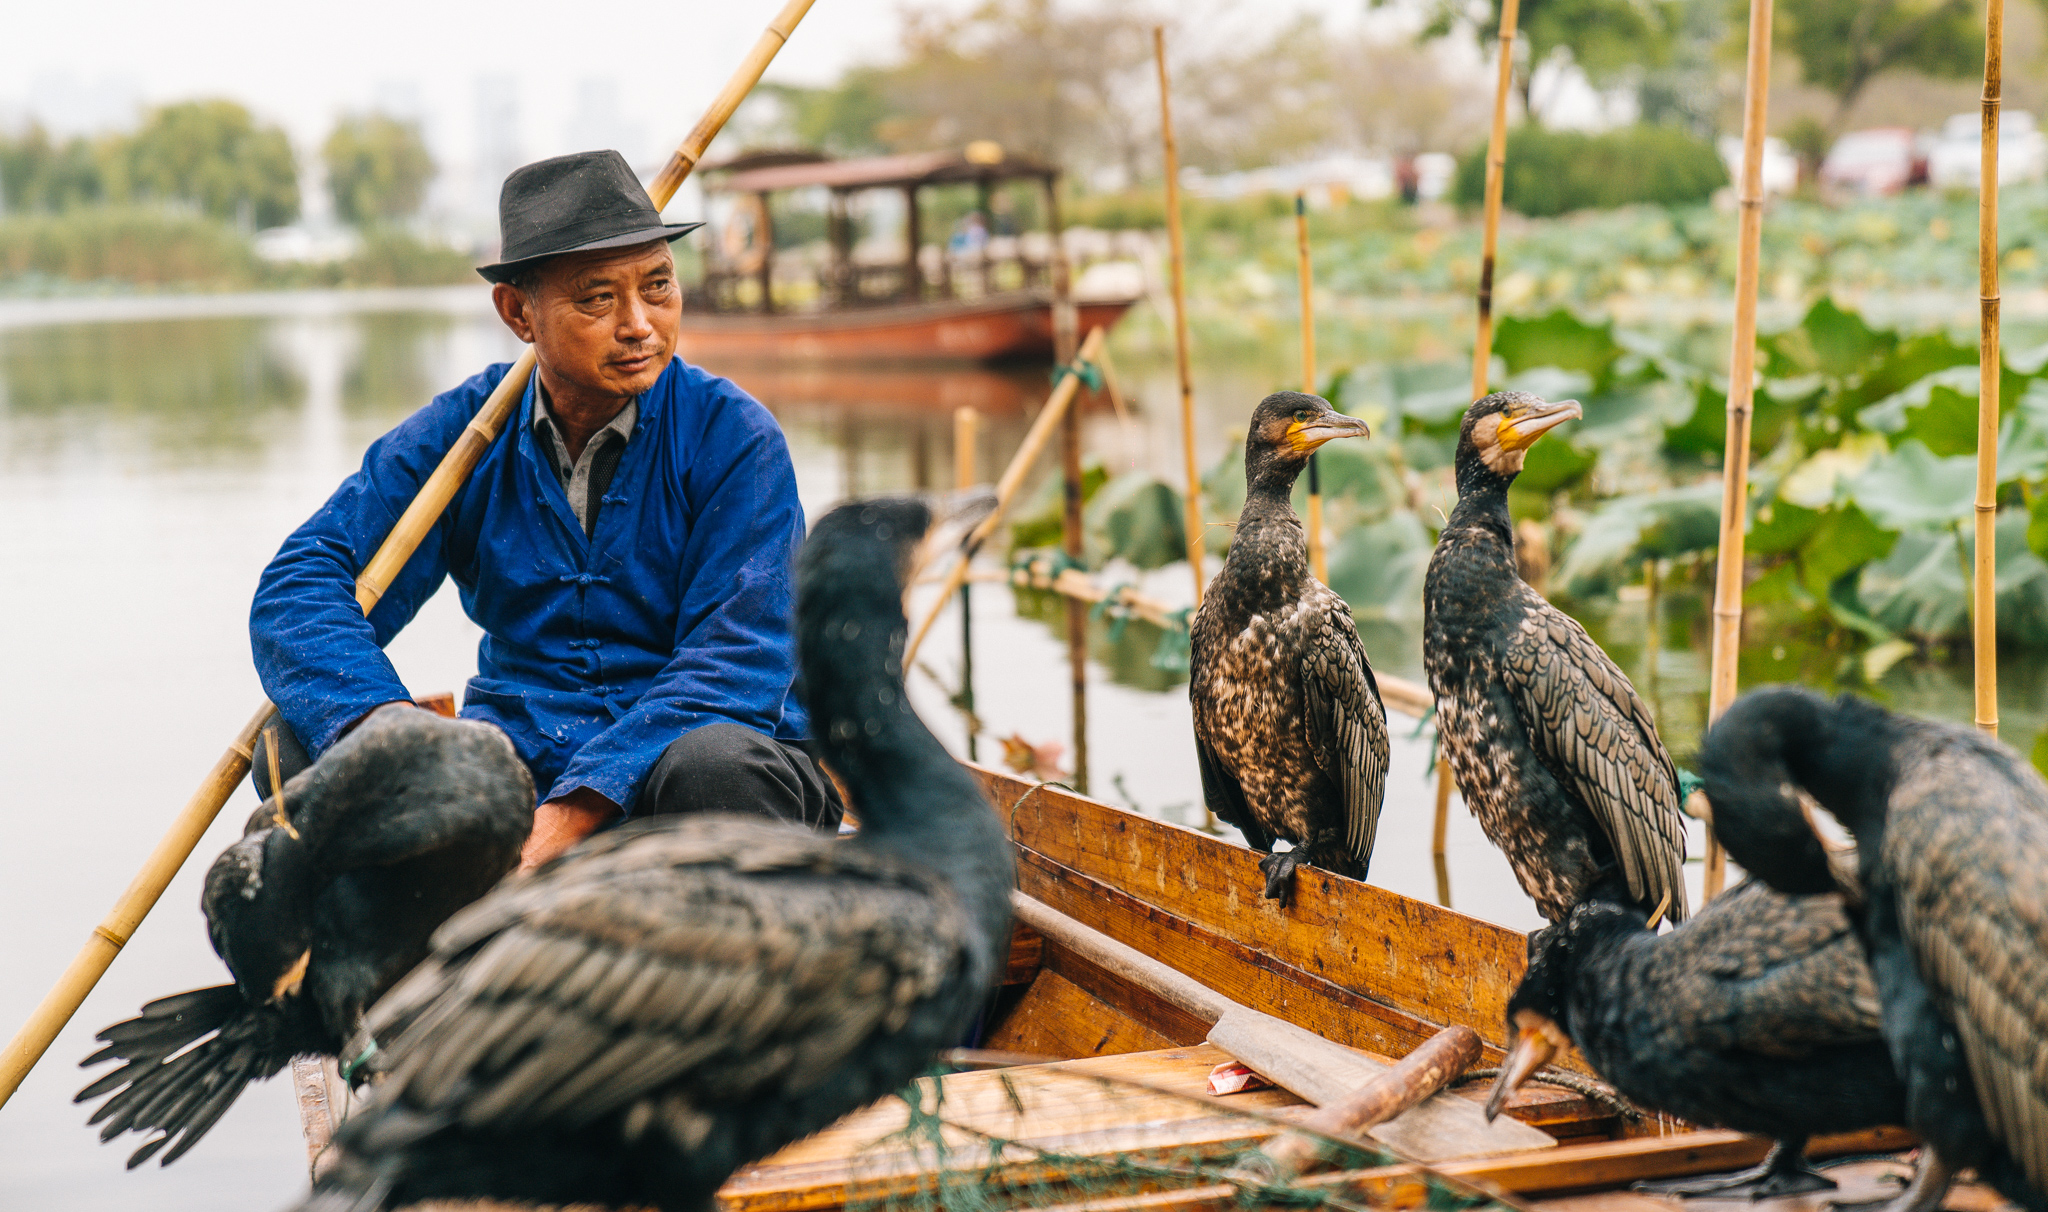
(585, 479)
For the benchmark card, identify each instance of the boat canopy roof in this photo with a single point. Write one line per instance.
(980, 161)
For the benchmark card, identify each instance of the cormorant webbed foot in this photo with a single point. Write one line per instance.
(1783, 1172)
(1931, 1181)
(1279, 868)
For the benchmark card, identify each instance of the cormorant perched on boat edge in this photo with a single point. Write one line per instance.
(1759, 1014)
(1556, 755)
(1289, 727)
(1951, 830)
(326, 901)
(667, 1001)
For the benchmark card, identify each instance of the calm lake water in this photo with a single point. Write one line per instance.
(153, 455)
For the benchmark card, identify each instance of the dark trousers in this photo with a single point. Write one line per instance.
(717, 768)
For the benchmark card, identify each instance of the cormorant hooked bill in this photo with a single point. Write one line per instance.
(1951, 833)
(1555, 754)
(326, 901)
(1759, 1014)
(670, 1000)
(1289, 726)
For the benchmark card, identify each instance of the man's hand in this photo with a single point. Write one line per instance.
(560, 824)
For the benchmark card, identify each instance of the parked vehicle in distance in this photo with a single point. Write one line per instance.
(1781, 167)
(1872, 163)
(1954, 162)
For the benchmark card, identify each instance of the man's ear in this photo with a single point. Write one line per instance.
(513, 309)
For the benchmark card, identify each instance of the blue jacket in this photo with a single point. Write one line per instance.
(598, 651)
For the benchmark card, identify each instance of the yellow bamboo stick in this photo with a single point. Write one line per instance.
(1028, 450)
(1741, 398)
(1174, 242)
(1496, 170)
(1318, 555)
(1984, 595)
(85, 970)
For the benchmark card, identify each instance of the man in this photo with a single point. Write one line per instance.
(625, 544)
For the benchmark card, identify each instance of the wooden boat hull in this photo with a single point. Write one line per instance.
(1013, 325)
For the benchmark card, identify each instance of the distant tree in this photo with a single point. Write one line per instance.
(378, 169)
(1609, 40)
(1842, 45)
(843, 118)
(38, 173)
(212, 155)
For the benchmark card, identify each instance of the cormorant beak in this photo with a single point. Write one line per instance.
(1520, 427)
(1305, 436)
(1536, 1045)
(293, 977)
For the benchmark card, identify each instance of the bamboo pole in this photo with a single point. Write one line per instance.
(1482, 355)
(1035, 439)
(85, 970)
(1318, 555)
(1176, 255)
(966, 474)
(1496, 170)
(1065, 325)
(1741, 397)
(1984, 623)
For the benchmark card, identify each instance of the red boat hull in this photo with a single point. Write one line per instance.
(1015, 325)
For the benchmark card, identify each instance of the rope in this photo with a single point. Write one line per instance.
(1088, 372)
(1175, 650)
(1592, 1091)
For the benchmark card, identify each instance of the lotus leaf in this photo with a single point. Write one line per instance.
(1562, 340)
(1912, 487)
(1379, 568)
(1138, 517)
(1628, 530)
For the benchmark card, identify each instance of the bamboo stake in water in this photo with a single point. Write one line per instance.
(1482, 351)
(1984, 624)
(1496, 171)
(966, 474)
(85, 970)
(1174, 251)
(1318, 555)
(1741, 398)
(1028, 450)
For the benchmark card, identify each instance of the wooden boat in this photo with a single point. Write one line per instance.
(990, 299)
(1117, 1075)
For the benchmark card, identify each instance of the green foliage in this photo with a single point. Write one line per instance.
(378, 168)
(845, 118)
(40, 174)
(136, 245)
(1607, 39)
(1842, 44)
(212, 155)
(1553, 172)
(1138, 517)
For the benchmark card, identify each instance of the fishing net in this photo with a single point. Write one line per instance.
(1060, 1138)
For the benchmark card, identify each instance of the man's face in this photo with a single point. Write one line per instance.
(602, 323)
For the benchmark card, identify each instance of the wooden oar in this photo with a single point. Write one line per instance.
(1984, 626)
(1318, 556)
(1741, 399)
(85, 970)
(1174, 242)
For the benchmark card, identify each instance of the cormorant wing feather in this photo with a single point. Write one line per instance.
(1348, 723)
(1965, 847)
(680, 969)
(1585, 720)
(1763, 972)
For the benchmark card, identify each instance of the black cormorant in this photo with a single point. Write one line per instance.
(1289, 727)
(670, 1000)
(1555, 754)
(1951, 833)
(327, 900)
(1759, 1015)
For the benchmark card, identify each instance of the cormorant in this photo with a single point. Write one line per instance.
(1289, 726)
(670, 1000)
(1951, 832)
(1759, 1014)
(1554, 753)
(327, 900)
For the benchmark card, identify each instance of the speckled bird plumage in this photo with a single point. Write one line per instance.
(1760, 1014)
(673, 999)
(1554, 752)
(1952, 838)
(329, 897)
(1289, 727)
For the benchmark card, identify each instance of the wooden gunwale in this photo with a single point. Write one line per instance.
(1008, 325)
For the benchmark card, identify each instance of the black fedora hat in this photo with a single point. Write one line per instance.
(575, 203)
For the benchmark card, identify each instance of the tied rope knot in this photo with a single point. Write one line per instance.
(1088, 372)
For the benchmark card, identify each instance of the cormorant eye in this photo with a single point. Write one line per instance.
(1303, 414)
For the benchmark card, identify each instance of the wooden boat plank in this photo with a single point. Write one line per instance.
(1011, 324)
(1406, 966)
(1055, 1013)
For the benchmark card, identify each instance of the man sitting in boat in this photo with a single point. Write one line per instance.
(625, 544)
